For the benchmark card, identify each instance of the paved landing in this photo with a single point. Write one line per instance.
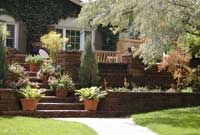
(112, 126)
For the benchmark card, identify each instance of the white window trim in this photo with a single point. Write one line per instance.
(82, 36)
(16, 34)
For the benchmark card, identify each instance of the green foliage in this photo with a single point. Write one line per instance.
(109, 39)
(3, 69)
(30, 93)
(38, 15)
(191, 44)
(123, 89)
(17, 69)
(183, 121)
(53, 42)
(160, 22)
(93, 93)
(89, 68)
(36, 59)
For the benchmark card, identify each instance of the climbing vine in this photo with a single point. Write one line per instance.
(39, 14)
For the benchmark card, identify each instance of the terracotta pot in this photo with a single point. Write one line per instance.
(29, 104)
(61, 92)
(34, 67)
(91, 105)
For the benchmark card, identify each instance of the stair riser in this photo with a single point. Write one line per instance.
(58, 100)
(60, 107)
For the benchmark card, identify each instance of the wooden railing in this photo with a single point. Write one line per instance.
(108, 57)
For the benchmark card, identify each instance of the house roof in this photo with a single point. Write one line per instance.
(78, 2)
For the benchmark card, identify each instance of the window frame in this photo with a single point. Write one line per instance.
(82, 36)
(16, 33)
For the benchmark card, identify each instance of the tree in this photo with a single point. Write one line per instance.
(38, 14)
(161, 22)
(89, 67)
(3, 64)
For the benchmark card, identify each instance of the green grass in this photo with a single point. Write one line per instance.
(36, 126)
(184, 121)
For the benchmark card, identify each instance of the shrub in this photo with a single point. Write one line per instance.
(177, 63)
(89, 68)
(3, 69)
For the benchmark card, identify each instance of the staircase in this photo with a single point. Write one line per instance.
(52, 106)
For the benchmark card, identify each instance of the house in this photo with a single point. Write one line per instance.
(66, 27)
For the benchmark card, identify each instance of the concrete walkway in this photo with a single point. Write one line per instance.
(112, 126)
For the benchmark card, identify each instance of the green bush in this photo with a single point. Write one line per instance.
(89, 67)
(3, 69)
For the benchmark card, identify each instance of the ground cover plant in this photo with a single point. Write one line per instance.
(184, 121)
(35, 126)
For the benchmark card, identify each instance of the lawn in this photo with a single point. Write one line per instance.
(36, 126)
(184, 121)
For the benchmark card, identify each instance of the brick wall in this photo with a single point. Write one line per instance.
(133, 102)
(8, 100)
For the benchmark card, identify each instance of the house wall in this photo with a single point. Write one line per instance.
(20, 29)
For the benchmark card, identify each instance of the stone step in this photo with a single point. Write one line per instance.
(43, 85)
(65, 113)
(60, 106)
(31, 74)
(54, 99)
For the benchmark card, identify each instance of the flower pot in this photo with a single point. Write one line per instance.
(91, 105)
(61, 92)
(29, 104)
(34, 67)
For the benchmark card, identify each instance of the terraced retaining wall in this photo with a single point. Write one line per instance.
(8, 100)
(137, 102)
(120, 103)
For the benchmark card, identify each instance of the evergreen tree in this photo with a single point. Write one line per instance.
(3, 64)
(89, 67)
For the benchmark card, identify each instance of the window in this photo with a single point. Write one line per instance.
(76, 38)
(73, 36)
(11, 38)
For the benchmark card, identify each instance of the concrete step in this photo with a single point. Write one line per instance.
(54, 99)
(60, 106)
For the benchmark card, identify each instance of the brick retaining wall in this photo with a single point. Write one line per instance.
(133, 102)
(8, 100)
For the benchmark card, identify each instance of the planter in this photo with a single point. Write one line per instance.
(91, 105)
(29, 104)
(61, 92)
(34, 67)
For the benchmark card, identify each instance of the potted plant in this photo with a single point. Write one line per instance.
(61, 85)
(53, 42)
(46, 70)
(90, 97)
(30, 98)
(34, 62)
(16, 71)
